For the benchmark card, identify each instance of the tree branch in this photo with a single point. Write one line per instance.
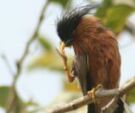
(19, 63)
(100, 93)
(5, 59)
(111, 106)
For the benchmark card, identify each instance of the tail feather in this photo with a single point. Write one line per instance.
(93, 108)
(120, 108)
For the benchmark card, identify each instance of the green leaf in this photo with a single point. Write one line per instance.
(45, 44)
(50, 60)
(116, 17)
(4, 91)
(131, 96)
(101, 11)
(19, 105)
(63, 3)
(72, 87)
(31, 103)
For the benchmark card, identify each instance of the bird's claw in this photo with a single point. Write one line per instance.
(71, 78)
(64, 58)
(91, 93)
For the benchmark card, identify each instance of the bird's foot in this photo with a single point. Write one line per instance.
(71, 77)
(61, 52)
(91, 93)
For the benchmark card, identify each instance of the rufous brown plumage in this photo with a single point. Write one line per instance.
(97, 58)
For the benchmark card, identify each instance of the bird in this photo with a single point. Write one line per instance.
(97, 59)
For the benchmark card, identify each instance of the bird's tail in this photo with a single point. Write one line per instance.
(93, 108)
(120, 108)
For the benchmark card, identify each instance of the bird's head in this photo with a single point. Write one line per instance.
(69, 22)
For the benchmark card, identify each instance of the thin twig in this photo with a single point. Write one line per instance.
(32, 38)
(19, 64)
(5, 59)
(100, 93)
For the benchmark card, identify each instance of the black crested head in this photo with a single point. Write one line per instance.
(68, 23)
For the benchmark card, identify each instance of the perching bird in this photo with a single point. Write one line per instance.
(97, 58)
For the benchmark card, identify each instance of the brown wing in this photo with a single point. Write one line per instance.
(105, 64)
(80, 69)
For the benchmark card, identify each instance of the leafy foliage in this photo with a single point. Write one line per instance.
(114, 16)
(61, 2)
(101, 12)
(4, 91)
(72, 87)
(50, 60)
(45, 43)
(117, 16)
(131, 96)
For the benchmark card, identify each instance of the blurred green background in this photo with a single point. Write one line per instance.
(41, 83)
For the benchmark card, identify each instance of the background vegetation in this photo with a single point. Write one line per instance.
(114, 14)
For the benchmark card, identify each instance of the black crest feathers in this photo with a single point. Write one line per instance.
(68, 23)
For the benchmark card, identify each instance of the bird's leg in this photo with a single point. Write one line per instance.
(64, 58)
(91, 93)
